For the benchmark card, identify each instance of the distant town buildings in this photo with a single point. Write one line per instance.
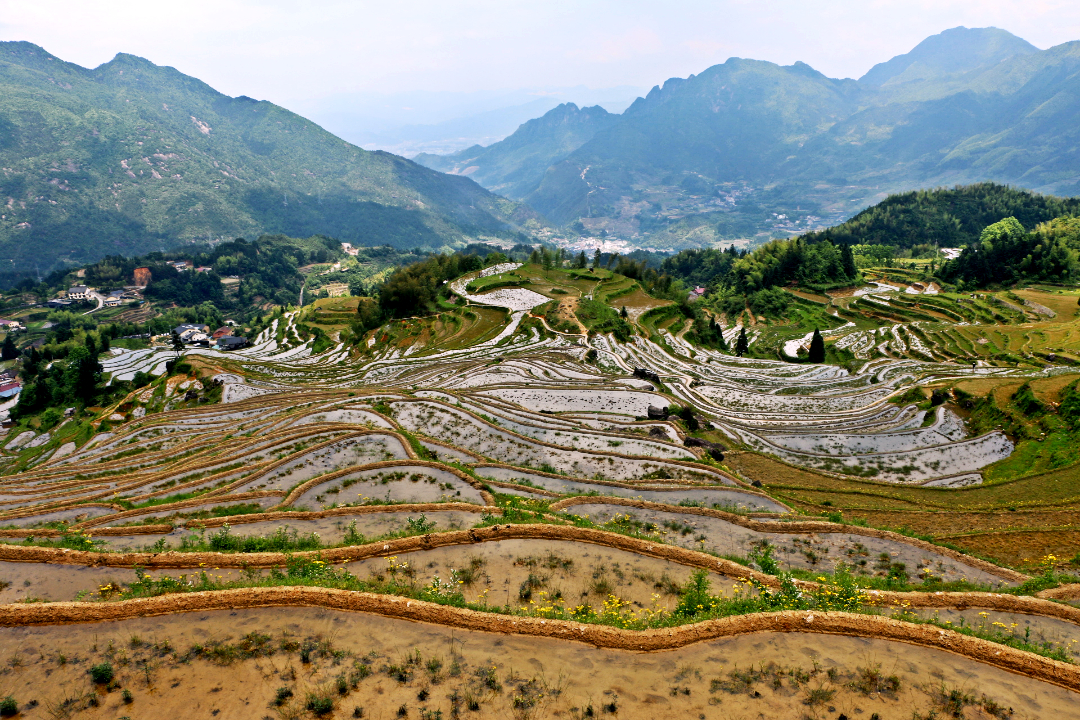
(79, 292)
(10, 389)
(181, 265)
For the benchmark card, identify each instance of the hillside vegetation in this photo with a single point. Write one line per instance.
(131, 157)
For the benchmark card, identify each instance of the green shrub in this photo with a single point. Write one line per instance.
(102, 673)
(319, 704)
(8, 707)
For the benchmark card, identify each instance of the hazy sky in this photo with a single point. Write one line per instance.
(295, 52)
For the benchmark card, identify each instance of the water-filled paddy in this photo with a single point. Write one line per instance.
(723, 497)
(405, 483)
(807, 551)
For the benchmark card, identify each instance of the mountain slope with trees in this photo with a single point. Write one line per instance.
(946, 217)
(130, 157)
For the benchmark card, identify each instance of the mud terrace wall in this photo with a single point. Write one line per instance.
(833, 623)
(401, 546)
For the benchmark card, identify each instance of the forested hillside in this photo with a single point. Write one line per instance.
(130, 157)
(947, 217)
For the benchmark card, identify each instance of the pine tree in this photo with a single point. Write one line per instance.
(9, 351)
(720, 341)
(596, 259)
(177, 345)
(742, 344)
(817, 348)
(33, 363)
(848, 260)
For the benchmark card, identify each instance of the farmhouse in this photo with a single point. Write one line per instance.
(231, 342)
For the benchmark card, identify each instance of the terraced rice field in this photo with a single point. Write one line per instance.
(486, 524)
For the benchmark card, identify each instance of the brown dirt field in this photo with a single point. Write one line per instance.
(1023, 547)
(229, 664)
(811, 296)
(1064, 305)
(931, 523)
(831, 623)
(637, 303)
(1045, 503)
(1046, 389)
(567, 311)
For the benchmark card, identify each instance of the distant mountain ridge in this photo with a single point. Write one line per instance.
(956, 50)
(751, 148)
(515, 166)
(130, 157)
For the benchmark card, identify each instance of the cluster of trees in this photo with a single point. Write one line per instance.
(72, 381)
(948, 217)
(415, 289)
(704, 267)
(63, 370)
(602, 318)
(1007, 253)
(706, 331)
(782, 262)
(753, 279)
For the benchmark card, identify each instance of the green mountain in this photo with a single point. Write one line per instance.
(753, 149)
(515, 165)
(130, 157)
(953, 51)
(738, 121)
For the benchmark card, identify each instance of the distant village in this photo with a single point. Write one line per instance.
(75, 298)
